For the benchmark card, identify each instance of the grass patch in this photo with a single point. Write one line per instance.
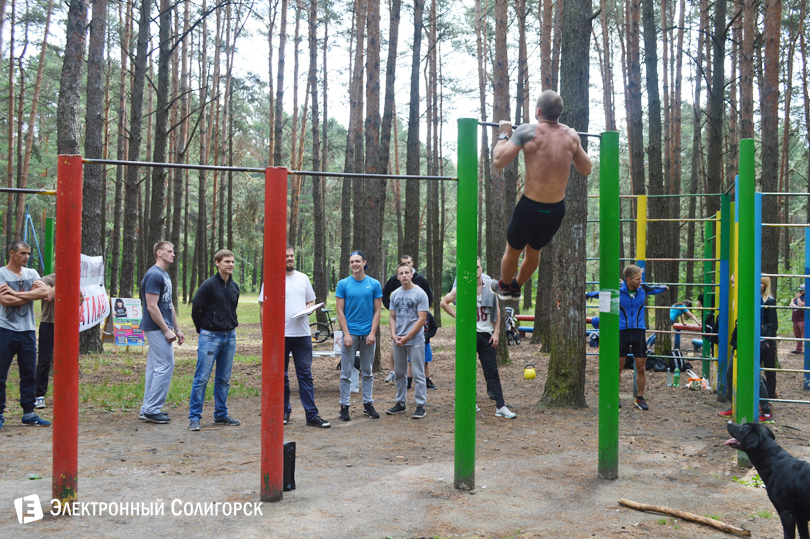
(755, 482)
(763, 514)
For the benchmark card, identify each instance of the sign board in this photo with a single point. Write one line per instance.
(127, 314)
(96, 306)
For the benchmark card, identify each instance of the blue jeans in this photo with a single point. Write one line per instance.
(219, 347)
(301, 348)
(23, 344)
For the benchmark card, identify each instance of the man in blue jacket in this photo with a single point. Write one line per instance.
(632, 296)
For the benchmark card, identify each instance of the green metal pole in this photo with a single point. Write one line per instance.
(748, 290)
(466, 248)
(609, 272)
(48, 255)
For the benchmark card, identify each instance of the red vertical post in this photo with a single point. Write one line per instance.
(275, 242)
(66, 332)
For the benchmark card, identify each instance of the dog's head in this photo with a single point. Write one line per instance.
(749, 436)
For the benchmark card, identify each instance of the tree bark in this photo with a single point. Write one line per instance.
(714, 143)
(279, 114)
(565, 385)
(159, 154)
(410, 240)
(92, 192)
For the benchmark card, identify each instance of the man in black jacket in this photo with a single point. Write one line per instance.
(392, 284)
(214, 314)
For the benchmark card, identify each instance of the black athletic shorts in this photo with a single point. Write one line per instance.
(534, 223)
(634, 340)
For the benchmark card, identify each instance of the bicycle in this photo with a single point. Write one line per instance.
(512, 331)
(320, 331)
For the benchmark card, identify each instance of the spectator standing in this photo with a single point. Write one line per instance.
(19, 288)
(797, 317)
(213, 311)
(359, 303)
(161, 329)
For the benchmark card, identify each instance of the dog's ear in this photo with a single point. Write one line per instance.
(751, 435)
(770, 432)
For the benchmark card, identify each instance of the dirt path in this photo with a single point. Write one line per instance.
(536, 476)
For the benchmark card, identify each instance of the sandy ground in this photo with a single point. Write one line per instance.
(536, 475)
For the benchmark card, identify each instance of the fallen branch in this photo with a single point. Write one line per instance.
(728, 528)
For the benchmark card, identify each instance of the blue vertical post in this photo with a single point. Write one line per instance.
(758, 298)
(725, 285)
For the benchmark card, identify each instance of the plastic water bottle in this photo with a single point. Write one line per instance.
(669, 377)
(676, 380)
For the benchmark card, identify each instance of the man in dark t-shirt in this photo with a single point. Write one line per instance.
(160, 329)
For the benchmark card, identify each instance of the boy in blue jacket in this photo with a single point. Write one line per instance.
(632, 297)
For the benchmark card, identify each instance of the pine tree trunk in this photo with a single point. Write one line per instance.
(92, 218)
(278, 133)
(565, 385)
(769, 107)
(716, 105)
(412, 229)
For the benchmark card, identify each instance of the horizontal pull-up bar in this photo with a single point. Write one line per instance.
(188, 166)
(361, 175)
(27, 191)
(493, 124)
(796, 225)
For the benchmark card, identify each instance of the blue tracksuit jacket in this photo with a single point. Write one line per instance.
(631, 309)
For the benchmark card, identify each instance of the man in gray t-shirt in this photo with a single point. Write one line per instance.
(19, 288)
(409, 306)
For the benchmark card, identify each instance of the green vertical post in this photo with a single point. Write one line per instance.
(748, 288)
(467, 277)
(609, 272)
(708, 253)
(48, 254)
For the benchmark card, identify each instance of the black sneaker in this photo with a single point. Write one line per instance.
(503, 291)
(227, 420)
(398, 408)
(368, 409)
(157, 418)
(514, 289)
(641, 404)
(430, 385)
(344, 413)
(419, 413)
(286, 417)
(318, 422)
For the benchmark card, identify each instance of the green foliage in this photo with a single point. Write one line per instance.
(755, 482)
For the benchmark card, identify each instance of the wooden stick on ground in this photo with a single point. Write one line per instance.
(728, 528)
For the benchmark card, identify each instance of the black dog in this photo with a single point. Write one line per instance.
(786, 478)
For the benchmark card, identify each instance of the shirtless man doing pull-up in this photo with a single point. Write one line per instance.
(549, 148)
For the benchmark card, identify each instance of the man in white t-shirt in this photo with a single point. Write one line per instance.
(298, 340)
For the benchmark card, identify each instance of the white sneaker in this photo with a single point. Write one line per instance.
(477, 409)
(390, 378)
(39, 403)
(503, 411)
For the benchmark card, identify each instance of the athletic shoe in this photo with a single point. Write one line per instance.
(36, 421)
(727, 413)
(194, 425)
(430, 385)
(318, 422)
(641, 404)
(368, 409)
(286, 417)
(39, 403)
(503, 411)
(398, 408)
(477, 409)
(227, 420)
(142, 416)
(796, 352)
(390, 378)
(501, 290)
(620, 405)
(419, 413)
(514, 289)
(766, 418)
(344, 413)
(160, 417)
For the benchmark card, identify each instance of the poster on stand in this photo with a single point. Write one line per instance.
(96, 306)
(127, 314)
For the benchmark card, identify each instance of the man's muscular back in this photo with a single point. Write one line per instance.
(548, 151)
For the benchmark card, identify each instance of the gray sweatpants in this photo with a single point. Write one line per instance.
(159, 369)
(347, 355)
(417, 355)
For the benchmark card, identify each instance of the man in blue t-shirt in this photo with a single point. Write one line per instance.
(160, 328)
(359, 303)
